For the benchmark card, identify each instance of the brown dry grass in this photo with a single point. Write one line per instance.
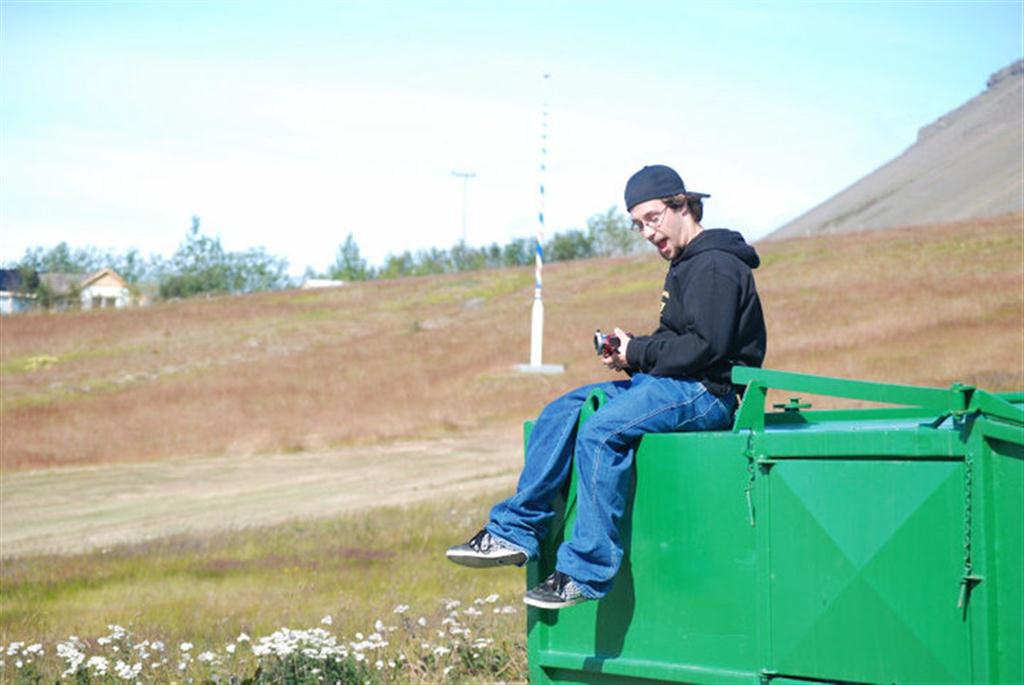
(427, 357)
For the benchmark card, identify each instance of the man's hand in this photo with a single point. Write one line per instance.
(617, 360)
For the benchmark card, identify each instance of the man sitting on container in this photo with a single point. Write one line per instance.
(679, 380)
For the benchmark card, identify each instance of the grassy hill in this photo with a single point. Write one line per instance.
(431, 357)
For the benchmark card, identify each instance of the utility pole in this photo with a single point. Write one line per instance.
(465, 176)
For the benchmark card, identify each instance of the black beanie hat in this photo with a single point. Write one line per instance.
(654, 183)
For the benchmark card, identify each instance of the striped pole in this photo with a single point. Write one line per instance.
(537, 315)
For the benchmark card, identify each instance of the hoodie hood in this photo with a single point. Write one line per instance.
(720, 239)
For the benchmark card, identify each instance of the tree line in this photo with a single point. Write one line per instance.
(201, 265)
(607, 234)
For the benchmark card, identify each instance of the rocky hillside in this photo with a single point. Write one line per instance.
(967, 164)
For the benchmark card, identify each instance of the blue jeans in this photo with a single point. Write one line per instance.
(604, 450)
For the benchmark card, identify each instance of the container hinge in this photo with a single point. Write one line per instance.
(749, 454)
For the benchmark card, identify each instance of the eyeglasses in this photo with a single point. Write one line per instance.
(650, 220)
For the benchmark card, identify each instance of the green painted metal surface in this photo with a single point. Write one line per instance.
(853, 546)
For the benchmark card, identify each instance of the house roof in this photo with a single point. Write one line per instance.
(60, 283)
(64, 283)
(10, 280)
(105, 273)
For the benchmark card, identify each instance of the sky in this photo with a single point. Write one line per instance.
(290, 125)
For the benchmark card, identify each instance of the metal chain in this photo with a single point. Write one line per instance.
(968, 524)
(968, 509)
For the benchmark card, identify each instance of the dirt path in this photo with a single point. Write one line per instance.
(77, 509)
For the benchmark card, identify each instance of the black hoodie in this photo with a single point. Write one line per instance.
(711, 316)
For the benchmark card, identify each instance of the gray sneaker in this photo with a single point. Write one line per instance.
(556, 592)
(485, 550)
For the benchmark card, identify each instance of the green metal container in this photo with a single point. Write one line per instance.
(856, 546)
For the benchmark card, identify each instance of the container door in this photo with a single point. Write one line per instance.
(865, 560)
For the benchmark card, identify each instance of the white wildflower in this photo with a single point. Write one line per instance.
(327, 620)
(185, 646)
(401, 609)
(441, 650)
(242, 637)
(14, 648)
(126, 672)
(379, 626)
(230, 648)
(379, 664)
(69, 652)
(491, 599)
(422, 621)
(98, 665)
(473, 611)
(451, 604)
(316, 643)
(207, 657)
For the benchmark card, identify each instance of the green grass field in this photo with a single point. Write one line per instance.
(207, 590)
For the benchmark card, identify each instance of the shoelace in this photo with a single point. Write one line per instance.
(558, 582)
(482, 541)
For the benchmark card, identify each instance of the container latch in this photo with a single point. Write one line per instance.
(794, 404)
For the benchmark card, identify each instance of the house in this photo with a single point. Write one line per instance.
(14, 295)
(105, 288)
(62, 291)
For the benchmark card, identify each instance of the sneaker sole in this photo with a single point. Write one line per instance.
(545, 604)
(474, 561)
